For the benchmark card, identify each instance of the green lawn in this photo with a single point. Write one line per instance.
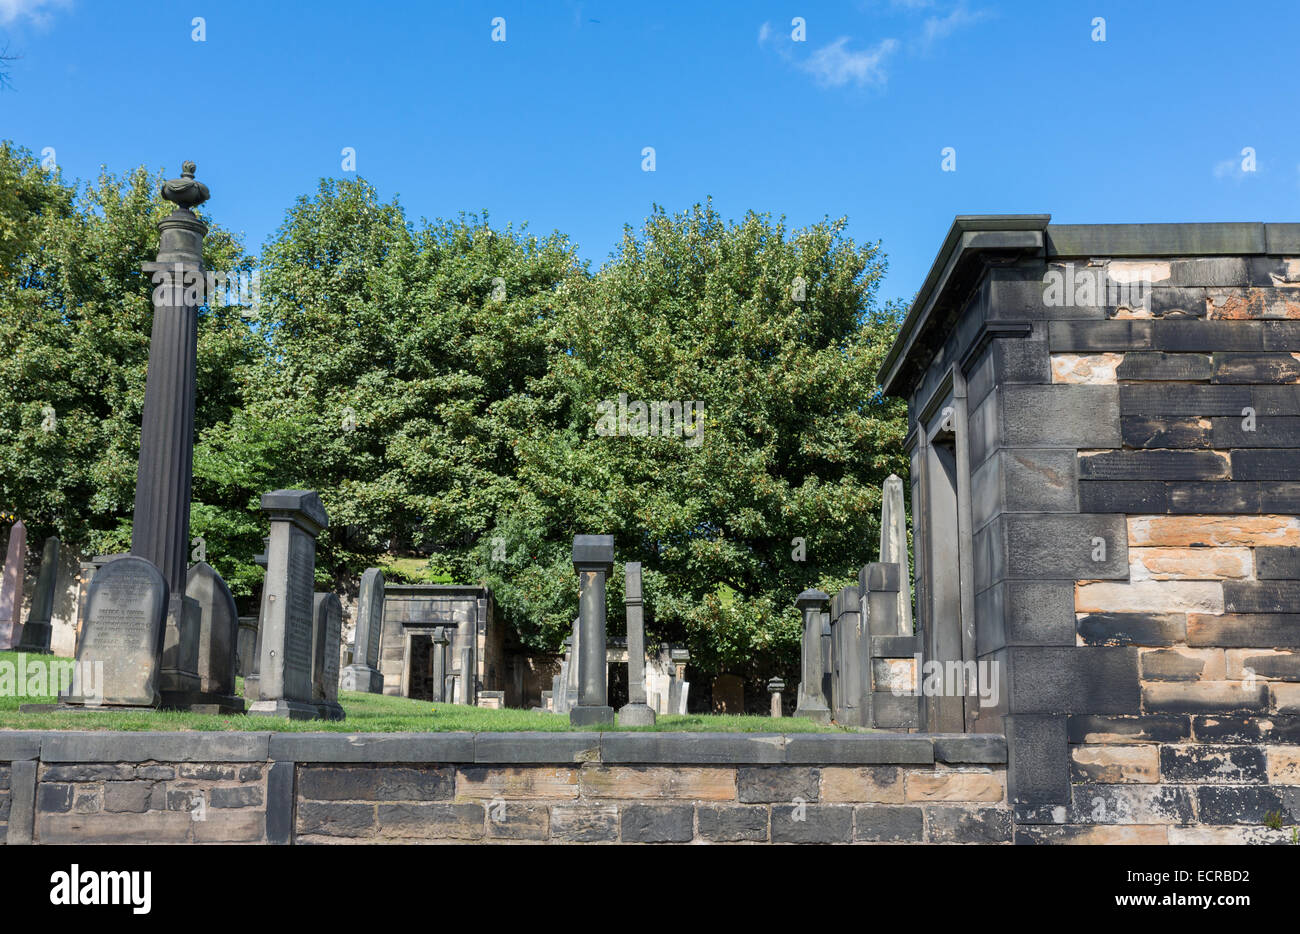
(367, 713)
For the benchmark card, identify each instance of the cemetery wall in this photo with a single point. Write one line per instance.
(65, 787)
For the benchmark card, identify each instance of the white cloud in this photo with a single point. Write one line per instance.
(835, 65)
(764, 33)
(941, 27)
(35, 10)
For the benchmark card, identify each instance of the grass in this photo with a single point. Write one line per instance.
(366, 713)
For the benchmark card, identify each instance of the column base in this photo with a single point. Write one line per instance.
(329, 710)
(202, 702)
(591, 716)
(815, 714)
(362, 679)
(35, 639)
(286, 709)
(636, 715)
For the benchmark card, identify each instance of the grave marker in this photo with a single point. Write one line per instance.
(363, 674)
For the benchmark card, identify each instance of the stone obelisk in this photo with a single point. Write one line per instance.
(162, 494)
(635, 712)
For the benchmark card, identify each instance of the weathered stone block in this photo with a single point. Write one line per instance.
(1116, 764)
(723, 824)
(132, 797)
(516, 782)
(705, 783)
(1183, 665)
(1247, 804)
(513, 821)
(882, 784)
(1181, 531)
(1268, 664)
(53, 797)
(1283, 765)
(375, 783)
(1095, 835)
(954, 785)
(658, 823)
(1131, 804)
(1232, 630)
(776, 783)
(434, 821)
(1132, 628)
(243, 796)
(584, 823)
(969, 825)
(812, 823)
(336, 820)
(1246, 729)
(86, 773)
(231, 827)
(1149, 597)
(1204, 697)
(884, 824)
(1213, 764)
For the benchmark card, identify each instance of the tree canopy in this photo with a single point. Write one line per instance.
(466, 398)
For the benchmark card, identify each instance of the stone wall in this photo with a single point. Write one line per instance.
(502, 787)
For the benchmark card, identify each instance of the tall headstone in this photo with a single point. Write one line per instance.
(363, 674)
(327, 632)
(635, 712)
(246, 645)
(812, 702)
(251, 675)
(218, 635)
(440, 643)
(285, 669)
(160, 532)
(121, 641)
(11, 585)
(468, 678)
(893, 546)
(36, 631)
(593, 559)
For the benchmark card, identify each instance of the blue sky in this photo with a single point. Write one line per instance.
(549, 126)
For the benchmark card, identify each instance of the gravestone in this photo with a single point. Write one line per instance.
(363, 674)
(121, 641)
(284, 687)
(251, 675)
(812, 701)
(218, 632)
(440, 643)
(36, 631)
(774, 687)
(327, 633)
(468, 678)
(893, 546)
(636, 712)
(593, 559)
(728, 694)
(245, 647)
(11, 585)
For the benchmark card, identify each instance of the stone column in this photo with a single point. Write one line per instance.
(812, 702)
(774, 687)
(593, 559)
(36, 631)
(252, 676)
(440, 641)
(469, 677)
(287, 626)
(363, 674)
(11, 585)
(160, 532)
(636, 712)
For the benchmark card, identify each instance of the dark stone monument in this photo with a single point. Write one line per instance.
(218, 631)
(36, 631)
(363, 674)
(774, 687)
(11, 585)
(122, 636)
(287, 626)
(812, 702)
(246, 645)
(439, 663)
(593, 559)
(327, 633)
(251, 672)
(635, 712)
(161, 528)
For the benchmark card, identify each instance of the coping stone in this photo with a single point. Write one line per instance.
(693, 748)
(536, 747)
(859, 749)
(67, 746)
(373, 747)
(24, 744)
(969, 747)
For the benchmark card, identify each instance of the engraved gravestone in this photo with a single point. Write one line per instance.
(363, 674)
(218, 631)
(125, 613)
(11, 585)
(37, 629)
(286, 652)
(327, 631)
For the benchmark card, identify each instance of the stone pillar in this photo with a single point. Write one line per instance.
(893, 546)
(774, 687)
(11, 586)
(251, 676)
(636, 712)
(812, 703)
(593, 559)
(468, 677)
(439, 653)
(363, 674)
(288, 625)
(36, 631)
(160, 532)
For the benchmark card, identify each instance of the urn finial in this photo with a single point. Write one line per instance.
(185, 192)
